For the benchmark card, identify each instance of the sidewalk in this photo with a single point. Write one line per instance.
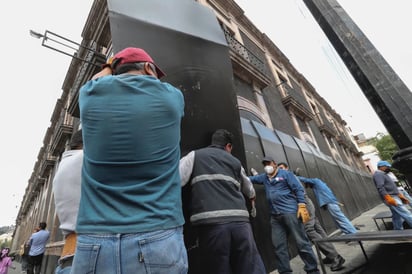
(17, 270)
(384, 257)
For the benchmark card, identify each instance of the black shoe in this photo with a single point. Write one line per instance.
(337, 263)
(327, 260)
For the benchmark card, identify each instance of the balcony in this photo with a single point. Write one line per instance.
(295, 102)
(244, 59)
(62, 131)
(342, 141)
(47, 164)
(325, 126)
(346, 142)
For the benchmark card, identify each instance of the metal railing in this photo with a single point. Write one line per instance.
(248, 55)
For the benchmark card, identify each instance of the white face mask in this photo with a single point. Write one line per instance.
(269, 169)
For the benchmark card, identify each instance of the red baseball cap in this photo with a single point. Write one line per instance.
(136, 55)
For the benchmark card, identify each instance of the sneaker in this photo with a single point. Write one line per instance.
(337, 263)
(327, 260)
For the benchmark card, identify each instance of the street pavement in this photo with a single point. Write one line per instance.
(17, 270)
(384, 257)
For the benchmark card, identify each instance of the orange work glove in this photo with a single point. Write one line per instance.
(303, 213)
(391, 201)
(404, 200)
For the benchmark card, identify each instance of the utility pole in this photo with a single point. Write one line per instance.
(386, 92)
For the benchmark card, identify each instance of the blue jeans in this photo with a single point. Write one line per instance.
(340, 219)
(60, 270)
(160, 252)
(399, 214)
(282, 226)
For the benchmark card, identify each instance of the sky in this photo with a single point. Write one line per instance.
(32, 75)
(291, 26)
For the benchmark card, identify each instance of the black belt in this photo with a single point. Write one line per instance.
(66, 262)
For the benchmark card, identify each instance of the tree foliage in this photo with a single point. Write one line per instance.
(6, 243)
(386, 147)
(6, 229)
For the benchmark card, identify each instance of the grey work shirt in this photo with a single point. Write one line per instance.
(186, 168)
(384, 183)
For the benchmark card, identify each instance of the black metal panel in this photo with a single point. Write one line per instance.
(326, 173)
(309, 167)
(255, 140)
(271, 144)
(370, 195)
(356, 187)
(292, 151)
(324, 163)
(340, 186)
(195, 58)
(373, 197)
(260, 140)
(253, 147)
(312, 157)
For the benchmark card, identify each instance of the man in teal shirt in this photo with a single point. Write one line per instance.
(130, 205)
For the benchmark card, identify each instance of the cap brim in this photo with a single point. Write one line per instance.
(159, 72)
(267, 160)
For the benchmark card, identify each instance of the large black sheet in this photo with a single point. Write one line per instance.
(194, 56)
(186, 41)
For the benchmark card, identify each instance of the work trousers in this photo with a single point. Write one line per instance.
(315, 231)
(229, 248)
(340, 219)
(288, 224)
(399, 214)
(34, 264)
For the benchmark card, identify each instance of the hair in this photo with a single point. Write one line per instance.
(77, 140)
(42, 225)
(222, 137)
(132, 66)
(5, 255)
(283, 164)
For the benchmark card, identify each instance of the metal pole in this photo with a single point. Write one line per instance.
(386, 92)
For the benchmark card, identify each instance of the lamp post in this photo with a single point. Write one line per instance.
(63, 45)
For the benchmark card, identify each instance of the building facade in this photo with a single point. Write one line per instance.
(281, 115)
